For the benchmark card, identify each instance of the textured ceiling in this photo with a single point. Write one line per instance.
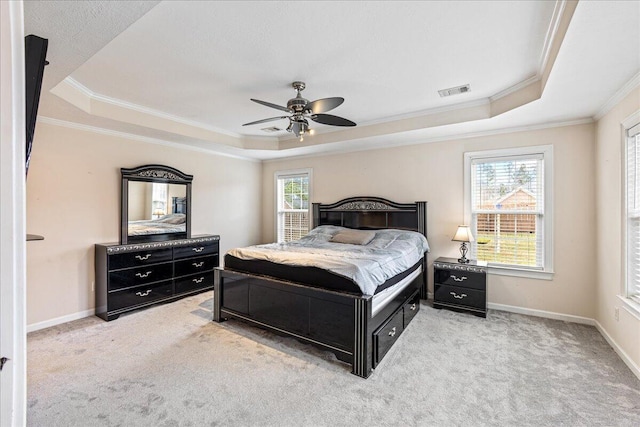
(184, 71)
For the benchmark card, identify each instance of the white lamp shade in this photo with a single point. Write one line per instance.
(463, 234)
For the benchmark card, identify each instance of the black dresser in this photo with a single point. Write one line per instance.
(129, 277)
(460, 287)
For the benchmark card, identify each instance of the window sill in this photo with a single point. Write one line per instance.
(517, 272)
(631, 306)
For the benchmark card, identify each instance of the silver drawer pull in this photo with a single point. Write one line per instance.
(142, 258)
(392, 332)
(200, 249)
(413, 307)
(143, 294)
(463, 278)
(198, 280)
(458, 296)
(198, 264)
(142, 276)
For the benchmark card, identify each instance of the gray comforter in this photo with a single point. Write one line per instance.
(389, 253)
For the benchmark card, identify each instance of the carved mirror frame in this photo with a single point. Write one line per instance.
(152, 173)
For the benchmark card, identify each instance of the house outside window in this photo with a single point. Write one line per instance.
(508, 206)
(293, 195)
(631, 131)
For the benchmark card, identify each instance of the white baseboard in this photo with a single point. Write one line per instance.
(59, 320)
(542, 313)
(625, 358)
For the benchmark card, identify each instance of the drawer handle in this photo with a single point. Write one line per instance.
(392, 332)
(462, 279)
(198, 280)
(458, 296)
(142, 276)
(200, 249)
(142, 258)
(413, 307)
(198, 264)
(143, 294)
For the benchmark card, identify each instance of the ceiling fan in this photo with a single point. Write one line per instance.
(301, 111)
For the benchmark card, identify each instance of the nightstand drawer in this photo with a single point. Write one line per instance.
(465, 279)
(460, 296)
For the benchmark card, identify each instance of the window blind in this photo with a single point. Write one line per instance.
(292, 209)
(633, 213)
(507, 210)
(159, 200)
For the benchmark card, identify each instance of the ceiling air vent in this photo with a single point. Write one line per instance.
(271, 129)
(454, 90)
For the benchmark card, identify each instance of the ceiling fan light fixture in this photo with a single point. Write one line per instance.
(301, 110)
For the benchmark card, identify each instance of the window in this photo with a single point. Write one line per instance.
(632, 211)
(292, 204)
(508, 205)
(159, 200)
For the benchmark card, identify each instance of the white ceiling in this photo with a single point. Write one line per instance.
(184, 72)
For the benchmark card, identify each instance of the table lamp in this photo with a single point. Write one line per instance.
(463, 234)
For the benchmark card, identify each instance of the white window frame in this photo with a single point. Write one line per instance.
(546, 273)
(632, 306)
(291, 173)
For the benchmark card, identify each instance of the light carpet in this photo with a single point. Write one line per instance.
(171, 366)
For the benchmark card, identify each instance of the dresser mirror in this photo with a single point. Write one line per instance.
(155, 204)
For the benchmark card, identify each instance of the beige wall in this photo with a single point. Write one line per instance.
(625, 331)
(434, 172)
(73, 200)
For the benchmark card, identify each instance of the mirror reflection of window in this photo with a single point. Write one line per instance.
(149, 201)
(159, 201)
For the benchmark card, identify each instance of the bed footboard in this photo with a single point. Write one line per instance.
(337, 322)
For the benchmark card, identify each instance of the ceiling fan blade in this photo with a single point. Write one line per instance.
(328, 119)
(268, 104)
(265, 120)
(295, 127)
(323, 105)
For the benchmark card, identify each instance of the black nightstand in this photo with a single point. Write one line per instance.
(460, 287)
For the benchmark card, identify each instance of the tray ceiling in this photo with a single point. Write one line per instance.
(183, 72)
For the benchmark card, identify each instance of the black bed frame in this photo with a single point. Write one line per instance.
(335, 321)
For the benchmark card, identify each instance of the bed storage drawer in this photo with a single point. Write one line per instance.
(209, 248)
(134, 259)
(196, 265)
(140, 295)
(194, 282)
(138, 276)
(410, 309)
(385, 336)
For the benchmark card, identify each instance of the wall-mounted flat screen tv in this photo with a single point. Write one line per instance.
(35, 54)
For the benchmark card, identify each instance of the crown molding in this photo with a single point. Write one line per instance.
(552, 31)
(139, 138)
(515, 88)
(453, 137)
(625, 90)
(94, 96)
